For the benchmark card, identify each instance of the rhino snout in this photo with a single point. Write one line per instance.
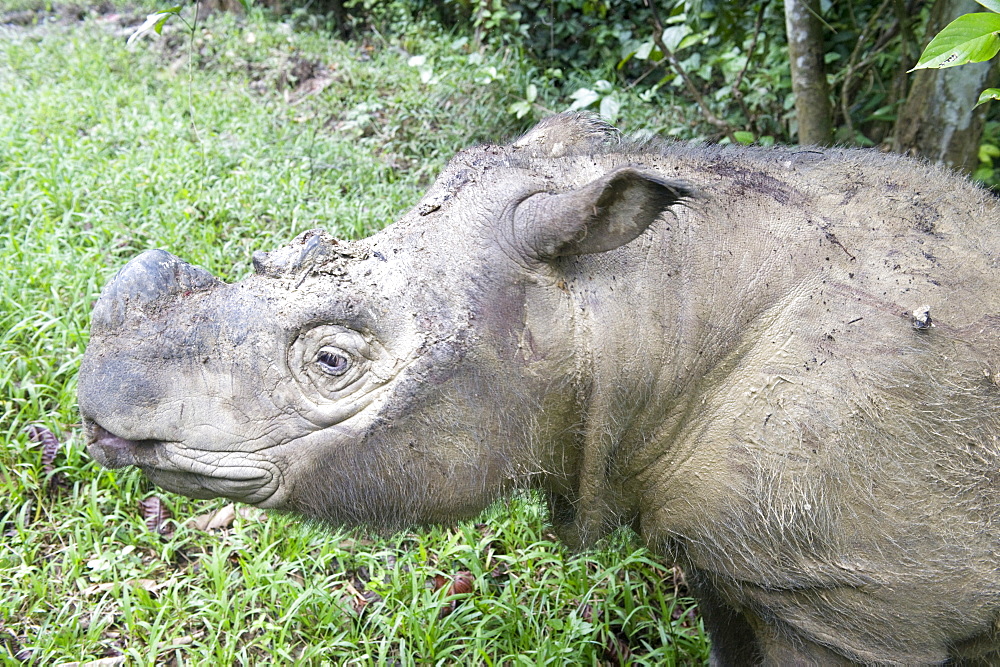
(153, 275)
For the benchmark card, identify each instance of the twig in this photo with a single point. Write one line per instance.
(193, 27)
(908, 42)
(653, 66)
(908, 48)
(737, 93)
(853, 66)
(671, 59)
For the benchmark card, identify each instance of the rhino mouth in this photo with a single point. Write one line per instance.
(169, 467)
(112, 451)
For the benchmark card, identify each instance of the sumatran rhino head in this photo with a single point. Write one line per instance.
(408, 378)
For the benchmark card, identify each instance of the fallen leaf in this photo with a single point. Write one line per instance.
(150, 585)
(463, 582)
(251, 513)
(98, 588)
(49, 442)
(617, 651)
(361, 599)
(50, 449)
(105, 662)
(157, 516)
(222, 518)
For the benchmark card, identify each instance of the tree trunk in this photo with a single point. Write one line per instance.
(805, 52)
(937, 120)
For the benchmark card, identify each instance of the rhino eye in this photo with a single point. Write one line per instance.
(333, 361)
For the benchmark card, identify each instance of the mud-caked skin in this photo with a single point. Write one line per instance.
(780, 367)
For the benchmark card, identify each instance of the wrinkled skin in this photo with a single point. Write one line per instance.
(780, 367)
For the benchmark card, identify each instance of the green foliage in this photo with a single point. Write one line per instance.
(989, 155)
(214, 143)
(987, 95)
(971, 38)
(719, 68)
(155, 22)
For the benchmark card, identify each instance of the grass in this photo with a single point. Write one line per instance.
(215, 144)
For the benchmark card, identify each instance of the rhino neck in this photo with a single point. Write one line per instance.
(656, 327)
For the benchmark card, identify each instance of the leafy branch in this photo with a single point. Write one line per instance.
(972, 38)
(692, 89)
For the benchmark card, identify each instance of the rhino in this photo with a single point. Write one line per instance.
(780, 367)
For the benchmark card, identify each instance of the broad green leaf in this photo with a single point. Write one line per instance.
(153, 22)
(987, 95)
(744, 137)
(693, 38)
(987, 152)
(992, 5)
(610, 106)
(989, 149)
(583, 98)
(531, 93)
(520, 109)
(673, 36)
(982, 173)
(967, 39)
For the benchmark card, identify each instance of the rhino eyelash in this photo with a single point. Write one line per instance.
(333, 361)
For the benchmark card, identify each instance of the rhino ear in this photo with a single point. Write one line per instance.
(600, 216)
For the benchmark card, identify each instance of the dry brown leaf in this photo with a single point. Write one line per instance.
(156, 516)
(50, 449)
(309, 87)
(150, 585)
(49, 442)
(617, 651)
(251, 513)
(97, 588)
(103, 662)
(361, 599)
(463, 582)
(222, 518)
(106, 662)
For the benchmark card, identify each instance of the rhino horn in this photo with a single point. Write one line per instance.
(152, 276)
(305, 251)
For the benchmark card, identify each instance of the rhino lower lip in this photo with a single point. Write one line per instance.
(113, 451)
